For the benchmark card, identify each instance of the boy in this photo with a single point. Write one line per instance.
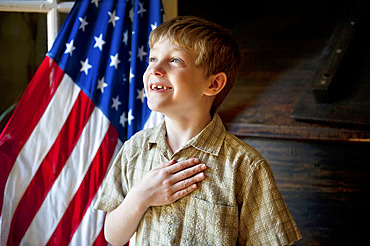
(187, 181)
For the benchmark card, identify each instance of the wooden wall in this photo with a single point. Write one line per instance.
(321, 169)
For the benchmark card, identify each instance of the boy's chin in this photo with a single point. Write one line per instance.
(155, 108)
(160, 109)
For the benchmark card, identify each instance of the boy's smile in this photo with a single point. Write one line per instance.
(172, 81)
(160, 87)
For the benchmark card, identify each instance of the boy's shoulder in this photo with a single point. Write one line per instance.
(234, 142)
(239, 149)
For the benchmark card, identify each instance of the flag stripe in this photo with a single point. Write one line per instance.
(82, 200)
(100, 241)
(34, 150)
(50, 168)
(92, 222)
(69, 180)
(27, 114)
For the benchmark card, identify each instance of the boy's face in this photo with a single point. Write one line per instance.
(172, 81)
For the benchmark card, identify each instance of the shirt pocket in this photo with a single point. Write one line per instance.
(207, 223)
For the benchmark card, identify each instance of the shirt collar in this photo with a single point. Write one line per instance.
(209, 140)
(159, 136)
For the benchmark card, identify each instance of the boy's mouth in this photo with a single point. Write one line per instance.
(160, 87)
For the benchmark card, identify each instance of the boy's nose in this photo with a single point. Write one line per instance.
(157, 70)
(157, 73)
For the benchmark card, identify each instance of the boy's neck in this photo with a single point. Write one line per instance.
(182, 129)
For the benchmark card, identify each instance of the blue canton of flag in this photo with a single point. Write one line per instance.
(104, 50)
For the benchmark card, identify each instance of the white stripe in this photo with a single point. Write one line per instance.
(91, 226)
(93, 221)
(69, 180)
(35, 150)
(154, 119)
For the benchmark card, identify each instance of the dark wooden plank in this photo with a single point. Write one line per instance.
(298, 132)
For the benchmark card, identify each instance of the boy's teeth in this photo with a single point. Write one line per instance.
(159, 87)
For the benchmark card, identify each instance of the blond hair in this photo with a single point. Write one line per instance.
(217, 50)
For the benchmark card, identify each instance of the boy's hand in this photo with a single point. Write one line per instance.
(163, 185)
(169, 181)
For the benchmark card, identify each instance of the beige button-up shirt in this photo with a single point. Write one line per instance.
(237, 203)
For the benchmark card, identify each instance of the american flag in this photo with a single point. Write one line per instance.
(86, 98)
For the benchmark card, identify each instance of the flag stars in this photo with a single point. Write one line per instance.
(130, 117)
(113, 18)
(70, 48)
(101, 85)
(131, 76)
(99, 42)
(123, 119)
(131, 15)
(125, 37)
(85, 66)
(141, 95)
(114, 61)
(141, 10)
(96, 2)
(83, 24)
(116, 103)
(154, 26)
(141, 53)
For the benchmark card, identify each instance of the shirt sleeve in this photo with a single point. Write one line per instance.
(114, 189)
(264, 216)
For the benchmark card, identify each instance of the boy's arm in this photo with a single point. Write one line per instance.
(163, 185)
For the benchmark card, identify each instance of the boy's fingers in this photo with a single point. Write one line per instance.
(184, 174)
(183, 165)
(164, 164)
(184, 184)
(181, 193)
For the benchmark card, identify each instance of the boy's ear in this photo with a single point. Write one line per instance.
(217, 83)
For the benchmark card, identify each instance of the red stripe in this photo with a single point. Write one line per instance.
(50, 168)
(31, 107)
(100, 240)
(87, 191)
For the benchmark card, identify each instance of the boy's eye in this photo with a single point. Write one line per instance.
(176, 60)
(152, 59)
